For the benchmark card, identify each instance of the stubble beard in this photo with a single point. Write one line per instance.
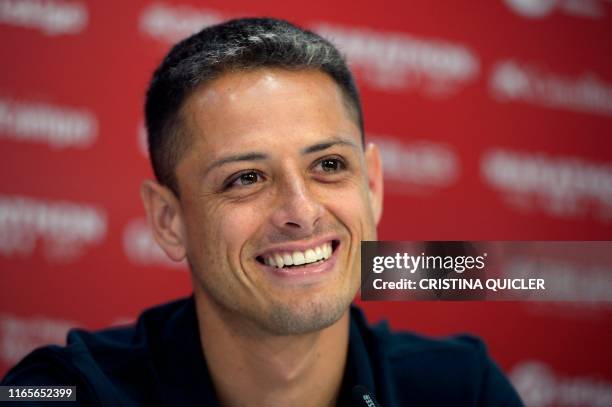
(295, 317)
(285, 319)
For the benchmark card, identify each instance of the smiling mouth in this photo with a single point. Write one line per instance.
(296, 259)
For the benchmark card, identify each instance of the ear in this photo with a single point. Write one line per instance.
(375, 179)
(165, 218)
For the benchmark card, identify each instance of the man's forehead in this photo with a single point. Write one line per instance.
(244, 106)
(275, 78)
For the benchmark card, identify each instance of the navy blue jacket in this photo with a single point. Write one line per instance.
(159, 361)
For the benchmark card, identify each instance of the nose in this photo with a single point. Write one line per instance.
(298, 210)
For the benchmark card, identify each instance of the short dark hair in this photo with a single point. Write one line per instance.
(241, 44)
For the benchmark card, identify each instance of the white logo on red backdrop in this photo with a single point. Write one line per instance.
(57, 126)
(172, 23)
(544, 8)
(540, 386)
(51, 17)
(398, 61)
(418, 166)
(565, 187)
(65, 228)
(19, 336)
(512, 81)
(141, 249)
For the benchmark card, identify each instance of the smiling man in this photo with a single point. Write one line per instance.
(266, 186)
(274, 196)
(273, 199)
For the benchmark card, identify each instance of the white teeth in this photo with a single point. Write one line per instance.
(287, 259)
(297, 258)
(319, 252)
(328, 251)
(279, 260)
(310, 256)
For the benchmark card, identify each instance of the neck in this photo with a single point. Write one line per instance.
(260, 368)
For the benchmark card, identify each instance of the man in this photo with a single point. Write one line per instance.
(266, 186)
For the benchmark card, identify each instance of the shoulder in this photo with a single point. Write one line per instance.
(99, 362)
(461, 354)
(456, 370)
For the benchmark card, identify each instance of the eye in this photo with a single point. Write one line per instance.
(332, 164)
(243, 179)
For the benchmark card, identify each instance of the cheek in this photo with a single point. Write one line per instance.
(218, 231)
(352, 207)
(236, 225)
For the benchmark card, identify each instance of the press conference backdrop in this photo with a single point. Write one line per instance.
(494, 119)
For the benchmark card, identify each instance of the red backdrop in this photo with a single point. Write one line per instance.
(494, 118)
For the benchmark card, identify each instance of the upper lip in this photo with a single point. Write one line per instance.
(291, 247)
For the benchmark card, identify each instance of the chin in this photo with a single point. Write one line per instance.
(305, 317)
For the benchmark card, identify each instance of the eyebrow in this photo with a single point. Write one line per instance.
(328, 144)
(257, 156)
(236, 158)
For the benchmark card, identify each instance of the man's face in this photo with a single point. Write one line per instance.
(276, 174)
